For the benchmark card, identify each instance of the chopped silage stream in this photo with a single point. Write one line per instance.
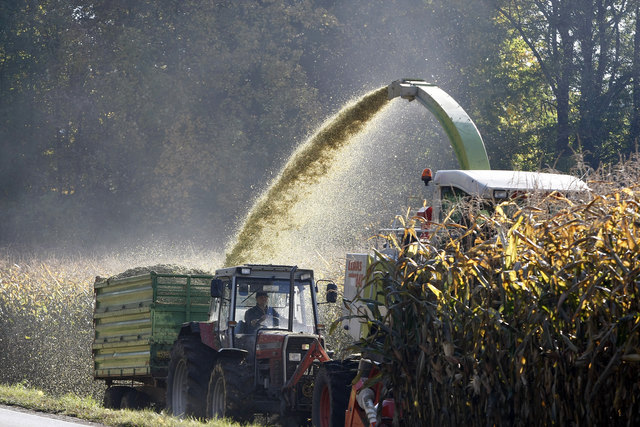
(258, 239)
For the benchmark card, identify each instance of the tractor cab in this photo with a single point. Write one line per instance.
(237, 292)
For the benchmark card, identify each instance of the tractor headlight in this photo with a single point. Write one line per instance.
(295, 357)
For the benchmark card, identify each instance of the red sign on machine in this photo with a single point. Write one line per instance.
(356, 269)
(353, 283)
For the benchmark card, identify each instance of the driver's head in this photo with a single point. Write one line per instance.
(262, 297)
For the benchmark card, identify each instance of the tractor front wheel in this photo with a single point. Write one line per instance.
(331, 393)
(228, 386)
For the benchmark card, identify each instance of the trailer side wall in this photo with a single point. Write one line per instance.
(137, 319)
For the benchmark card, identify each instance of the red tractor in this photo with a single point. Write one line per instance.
(251, 357)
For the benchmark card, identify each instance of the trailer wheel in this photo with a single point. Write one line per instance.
(135, 399)
(331, 393)
(228, 386)
(189, 369)
(113, 397)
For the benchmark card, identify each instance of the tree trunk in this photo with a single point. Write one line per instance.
(563, 87)
(634, 133)
(562, 138)
(588, 85)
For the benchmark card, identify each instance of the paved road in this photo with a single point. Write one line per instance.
(17, 417)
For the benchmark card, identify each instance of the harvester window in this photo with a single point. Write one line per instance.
(454, 203)
(461, 208)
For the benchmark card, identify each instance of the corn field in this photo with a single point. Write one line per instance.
(46, 318)
(535, 323)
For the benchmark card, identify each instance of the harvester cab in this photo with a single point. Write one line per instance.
(461, 194)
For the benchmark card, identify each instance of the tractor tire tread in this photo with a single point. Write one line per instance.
(199, 361)
(237, 377)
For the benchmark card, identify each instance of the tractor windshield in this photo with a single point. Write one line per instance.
(264, 303)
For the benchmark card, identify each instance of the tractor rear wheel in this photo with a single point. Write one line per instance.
(331, 393)
(189, 369)
(228, 387)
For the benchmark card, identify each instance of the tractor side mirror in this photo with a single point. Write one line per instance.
(216, 288)
(332, 292)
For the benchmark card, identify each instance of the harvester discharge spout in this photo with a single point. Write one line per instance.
(462, 132)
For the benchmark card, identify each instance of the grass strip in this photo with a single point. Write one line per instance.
(87, 408)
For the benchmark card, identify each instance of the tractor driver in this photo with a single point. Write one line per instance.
(256, 315)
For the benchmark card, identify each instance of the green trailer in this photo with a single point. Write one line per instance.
(136, 321)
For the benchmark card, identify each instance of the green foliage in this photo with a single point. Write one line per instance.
(522, 108)
(159, 106)
(147, 116)
(584, 55)
(536, 325)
